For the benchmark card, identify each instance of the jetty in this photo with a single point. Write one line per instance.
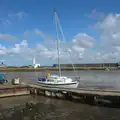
(89, 95)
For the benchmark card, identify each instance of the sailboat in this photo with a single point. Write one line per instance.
(57, 80)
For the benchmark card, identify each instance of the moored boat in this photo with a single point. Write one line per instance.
(58, 80)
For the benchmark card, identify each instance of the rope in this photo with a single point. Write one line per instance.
(65, 41)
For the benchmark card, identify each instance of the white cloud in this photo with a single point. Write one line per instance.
(96, 15)
(83, 40)
(4, 22)
(109, 29)
(76, 48)
(2, 60)
(44, 52)
(43, 35)
(3, 50)
(82, 47)
(21, 49)
(108, 48)
(78, 51)
(7, 37)
(18, 15)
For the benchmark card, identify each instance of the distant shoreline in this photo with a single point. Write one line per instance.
(54, 69)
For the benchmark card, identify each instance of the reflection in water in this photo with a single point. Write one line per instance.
(42, 108)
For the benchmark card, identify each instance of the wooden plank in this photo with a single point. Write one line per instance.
(81, 90)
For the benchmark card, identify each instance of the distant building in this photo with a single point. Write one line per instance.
(34, 63)
(89, 65)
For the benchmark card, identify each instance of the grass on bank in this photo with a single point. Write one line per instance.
(54, 68)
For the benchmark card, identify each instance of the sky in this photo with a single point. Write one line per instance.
(91, 31)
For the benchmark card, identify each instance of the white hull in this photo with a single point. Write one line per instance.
(68, 85)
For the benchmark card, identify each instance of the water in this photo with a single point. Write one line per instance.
(97, 79)
(42, 108)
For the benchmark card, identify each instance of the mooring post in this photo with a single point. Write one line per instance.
(35, 91)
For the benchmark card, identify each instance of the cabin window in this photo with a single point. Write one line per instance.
(50, 80)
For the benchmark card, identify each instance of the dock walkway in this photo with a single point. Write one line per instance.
(88, 94)
(85, 91)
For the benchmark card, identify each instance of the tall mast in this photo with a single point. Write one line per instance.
(58, 53)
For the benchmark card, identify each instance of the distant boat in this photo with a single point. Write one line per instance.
(57, 80)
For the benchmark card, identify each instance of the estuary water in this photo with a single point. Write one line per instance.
(96, 79)
(43, 108)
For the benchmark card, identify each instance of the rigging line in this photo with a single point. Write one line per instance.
(60, 28)
(58, 52)
(65, 41)
(73, 66)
